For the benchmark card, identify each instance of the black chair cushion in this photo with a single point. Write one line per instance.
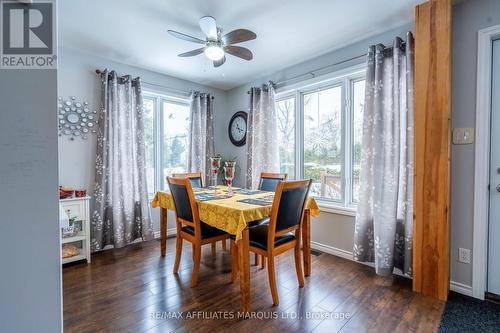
(269, 184)
(290, 208)
(181, 202)
(206, 231)
(258, 237)
(195, 181)
(252, 224)
(258, 222)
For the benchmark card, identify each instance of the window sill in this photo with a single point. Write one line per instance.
(336, 209)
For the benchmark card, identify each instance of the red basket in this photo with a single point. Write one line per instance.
(65, 193)
(80, 193)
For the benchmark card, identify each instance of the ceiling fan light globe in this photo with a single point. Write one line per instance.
(214, 52)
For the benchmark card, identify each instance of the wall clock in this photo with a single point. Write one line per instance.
(238, 128)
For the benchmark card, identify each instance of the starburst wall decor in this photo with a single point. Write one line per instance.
(76, 119)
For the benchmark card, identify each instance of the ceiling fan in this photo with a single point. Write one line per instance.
(215, 46)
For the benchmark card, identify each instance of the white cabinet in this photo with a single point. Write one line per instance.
(78, 209)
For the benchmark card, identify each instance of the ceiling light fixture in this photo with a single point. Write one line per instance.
(216, 46)
(214, 52)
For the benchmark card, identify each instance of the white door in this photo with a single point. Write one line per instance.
(494, 218)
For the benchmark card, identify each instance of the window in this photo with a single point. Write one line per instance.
(175, 137)
(323, 142)
(320, 127)
(166, 127)
(149, 107)
(285, 110)
(358, 106)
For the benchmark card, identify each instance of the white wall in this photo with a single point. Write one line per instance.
(76, 77)
(329, 232)
(468, 17)
(30, 273)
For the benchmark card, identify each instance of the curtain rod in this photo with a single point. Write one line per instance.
(182, 92)
(313, 73)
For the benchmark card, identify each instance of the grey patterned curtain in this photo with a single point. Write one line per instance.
(262, 135)
(121, 213)
(384, 220)
(201, 143)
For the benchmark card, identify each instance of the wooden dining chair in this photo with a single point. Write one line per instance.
(283, 232)
(189, 226)
(194, 177)
(197, 181)
(269, 180)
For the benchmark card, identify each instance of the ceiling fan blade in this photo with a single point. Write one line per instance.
(238, 51)
(209, 27)
(186, 37)
(219, 63)
(192, 53)
(238, 36)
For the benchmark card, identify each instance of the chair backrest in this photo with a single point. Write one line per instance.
(269, 180)
(194, 177)
(186, 209)
(288, 207)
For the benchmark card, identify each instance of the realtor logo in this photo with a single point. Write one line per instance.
(28, 36)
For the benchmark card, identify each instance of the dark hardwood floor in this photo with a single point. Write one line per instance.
(133, 290)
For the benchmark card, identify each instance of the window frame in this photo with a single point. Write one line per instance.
(158, 132)
(351, 109)
(344, 78)
(281, 98)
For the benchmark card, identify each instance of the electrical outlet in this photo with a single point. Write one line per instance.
(464, 255)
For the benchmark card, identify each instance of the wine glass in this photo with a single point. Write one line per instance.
(229, 168)
(215, 165)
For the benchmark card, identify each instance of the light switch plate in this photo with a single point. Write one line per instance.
(463, 136)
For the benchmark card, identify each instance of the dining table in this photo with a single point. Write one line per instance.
(232, 212)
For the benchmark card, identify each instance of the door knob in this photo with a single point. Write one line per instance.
(498, 188)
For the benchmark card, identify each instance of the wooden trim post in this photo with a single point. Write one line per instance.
(432, 148)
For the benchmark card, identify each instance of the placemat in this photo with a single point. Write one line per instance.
(258, 202)
(247, 191)
(210, 196)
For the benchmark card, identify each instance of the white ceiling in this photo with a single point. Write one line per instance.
(288, 32)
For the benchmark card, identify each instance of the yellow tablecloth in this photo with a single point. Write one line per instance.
(229, 214)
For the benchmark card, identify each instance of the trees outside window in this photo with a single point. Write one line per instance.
(166, 133)
(327, 120)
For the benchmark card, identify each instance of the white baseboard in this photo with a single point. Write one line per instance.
(461, 288)
(170, 232)
(332, 250)
(346, 255)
